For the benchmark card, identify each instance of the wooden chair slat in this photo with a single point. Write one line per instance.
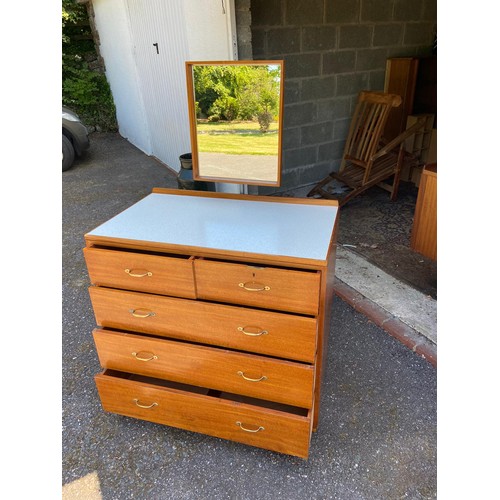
(367, 159)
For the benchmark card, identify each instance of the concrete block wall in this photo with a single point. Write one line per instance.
(332, 50)
(243, 29)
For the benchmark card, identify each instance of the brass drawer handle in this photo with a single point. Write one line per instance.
(240, 425)
(134, 313)
(141, 358)
(261, 379)
(136, 401)
(252, 286)
(247, 331)
(130, 273)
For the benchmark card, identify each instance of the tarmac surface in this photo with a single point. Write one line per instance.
(377, 431)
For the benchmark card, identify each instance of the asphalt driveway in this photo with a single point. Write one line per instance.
(377, 432)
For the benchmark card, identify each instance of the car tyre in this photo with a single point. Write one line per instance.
(68, 153)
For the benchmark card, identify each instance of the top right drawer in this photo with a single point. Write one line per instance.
(267, 287)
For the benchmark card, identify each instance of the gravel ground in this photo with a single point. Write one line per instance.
(377, 433)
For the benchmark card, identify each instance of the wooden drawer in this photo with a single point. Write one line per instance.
(212, 413)
(265, 332)
(261, 377)
(267, 287)
(140, 271)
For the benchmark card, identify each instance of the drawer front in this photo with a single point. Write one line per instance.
(251, 375)
(249, 424)
(143, 272)
(270, 288)
(265, 332)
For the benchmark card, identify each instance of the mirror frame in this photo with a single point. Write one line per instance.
(193, 122)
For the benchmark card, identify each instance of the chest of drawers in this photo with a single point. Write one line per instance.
(213, 311)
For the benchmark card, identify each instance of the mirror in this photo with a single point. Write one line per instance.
(236, 120)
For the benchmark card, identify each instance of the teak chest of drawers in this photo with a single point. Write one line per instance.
(213, 312)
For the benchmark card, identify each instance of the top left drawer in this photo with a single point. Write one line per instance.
(161, 274)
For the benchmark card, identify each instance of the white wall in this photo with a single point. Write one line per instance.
(111, 17)
(149, 88)
(213, 36)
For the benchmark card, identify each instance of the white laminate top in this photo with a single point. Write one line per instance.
(236, 225)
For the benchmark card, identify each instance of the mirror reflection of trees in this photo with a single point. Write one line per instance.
(233, 92)
(235, 118)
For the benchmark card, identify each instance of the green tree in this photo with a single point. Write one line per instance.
(215, 91)
(259, 98)
(83, 89)
(243, 92)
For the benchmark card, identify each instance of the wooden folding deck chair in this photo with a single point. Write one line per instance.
(368, 160)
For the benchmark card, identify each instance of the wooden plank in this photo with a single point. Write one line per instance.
(400, 79)
(424, 230)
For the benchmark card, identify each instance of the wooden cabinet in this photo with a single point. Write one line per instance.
(213, 312)
(415, 80)
(400, 79)
(424, 230)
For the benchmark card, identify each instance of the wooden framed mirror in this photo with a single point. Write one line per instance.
(236, 120)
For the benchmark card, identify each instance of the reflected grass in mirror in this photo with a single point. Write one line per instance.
(237, 138)
(236, 120)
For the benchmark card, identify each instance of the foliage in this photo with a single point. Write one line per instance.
(237, 92)
(71, 14)
(84, 89)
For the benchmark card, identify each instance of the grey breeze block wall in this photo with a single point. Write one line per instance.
(243, 29)
(332, 50)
